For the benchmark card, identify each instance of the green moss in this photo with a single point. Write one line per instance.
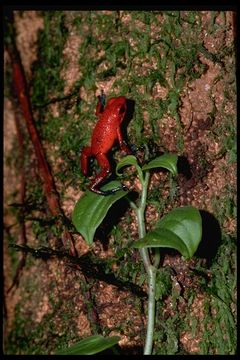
(46, 71)
(220, 312)
(166, 335)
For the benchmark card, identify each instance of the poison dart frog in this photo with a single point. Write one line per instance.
(107, 130)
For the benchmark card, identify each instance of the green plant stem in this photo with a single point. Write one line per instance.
(144, 251)
(151, 310)
(140, 211)
(150, 269)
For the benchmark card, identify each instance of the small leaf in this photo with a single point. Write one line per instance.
(186, 222)
(162, 238)
(166, 161)
(89, 346)
(91, 209)
(129, 160)
(181, 229)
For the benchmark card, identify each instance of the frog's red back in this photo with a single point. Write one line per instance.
(105, 131)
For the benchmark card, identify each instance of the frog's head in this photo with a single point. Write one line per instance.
(117, 106)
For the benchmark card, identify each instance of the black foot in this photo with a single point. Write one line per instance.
(102, 98)
(133, 148)
(109, 192)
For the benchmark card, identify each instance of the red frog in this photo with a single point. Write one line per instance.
(105, 133)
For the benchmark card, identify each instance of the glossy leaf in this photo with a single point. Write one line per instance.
(166, 161)
(91, 345)
(181, 229)
(91, 209)
(162, 238)
(127, 161)
(186, 222)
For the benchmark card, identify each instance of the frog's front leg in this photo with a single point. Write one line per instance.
(86, 153)
(122, 144)
(106, 170)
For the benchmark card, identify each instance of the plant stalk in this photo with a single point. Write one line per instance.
(151, 310)
(150, 269)
(140, 211)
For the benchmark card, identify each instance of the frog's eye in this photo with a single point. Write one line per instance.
(122, 109)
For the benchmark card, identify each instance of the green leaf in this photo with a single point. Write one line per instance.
(186, 222)
(89, 346)
(91, 209)
(127, 161)
(181, 230)
(166, 161)
(162, 238)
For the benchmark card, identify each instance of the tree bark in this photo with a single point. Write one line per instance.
(20, 85)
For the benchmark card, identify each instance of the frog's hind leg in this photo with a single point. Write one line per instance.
(104, 163)
(86, 153)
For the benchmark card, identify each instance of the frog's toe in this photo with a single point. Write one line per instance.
(102, 98)
(133, 148)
